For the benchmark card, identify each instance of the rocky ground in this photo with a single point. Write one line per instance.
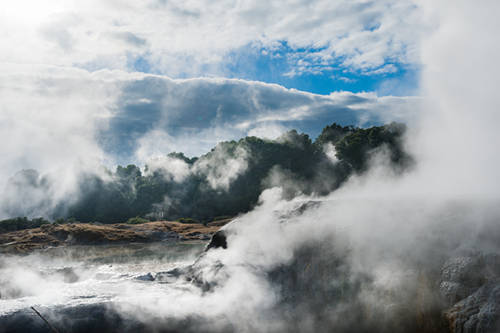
(471, 286)
(51, 235)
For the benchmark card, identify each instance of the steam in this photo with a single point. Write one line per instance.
(222, 167)
(172, 168)
(459, 80)
(371, 240)
(386, 229)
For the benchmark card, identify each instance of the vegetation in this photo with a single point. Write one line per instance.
(188, 220)
(137, 220)
(20, 223)
(333, 133)
(355, 147)
(224, 182)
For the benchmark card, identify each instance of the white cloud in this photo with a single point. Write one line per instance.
(180, 38)
(55, 116)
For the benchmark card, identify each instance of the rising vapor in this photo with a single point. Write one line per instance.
(408, 251)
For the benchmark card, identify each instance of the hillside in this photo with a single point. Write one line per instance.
(226, 181)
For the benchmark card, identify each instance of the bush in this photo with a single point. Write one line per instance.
(187, 220)
(21, 223)
(223, 217)
(136, 220)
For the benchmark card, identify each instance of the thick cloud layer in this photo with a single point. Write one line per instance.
(189, 38)
(54, 117)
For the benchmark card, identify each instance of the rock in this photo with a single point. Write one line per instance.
(461, 276)
(460, 269)
(146, 277)
(454, 291)
(103, 317)
(478, 313)
(474, 282)
(218, 241)
(68, 274)
(171, 276)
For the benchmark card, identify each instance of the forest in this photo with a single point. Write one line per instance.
(224, 182)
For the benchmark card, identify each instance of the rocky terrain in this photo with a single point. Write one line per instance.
(456, 292)
(471, 286)
(462, 295)
(51, 235)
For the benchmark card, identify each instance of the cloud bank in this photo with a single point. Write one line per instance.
(189, 38)
(55, 117)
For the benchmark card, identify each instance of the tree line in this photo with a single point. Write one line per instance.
(244, 168)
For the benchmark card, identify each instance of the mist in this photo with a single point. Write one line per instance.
(383, 236)
(371, 255)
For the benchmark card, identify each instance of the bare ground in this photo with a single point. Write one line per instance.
(50, 235)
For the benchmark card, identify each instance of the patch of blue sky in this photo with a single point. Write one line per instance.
(301, 69)
(292, 68)
(139, 64)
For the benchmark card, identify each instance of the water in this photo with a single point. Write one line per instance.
(76, 275)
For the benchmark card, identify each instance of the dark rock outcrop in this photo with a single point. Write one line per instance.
(219, 240)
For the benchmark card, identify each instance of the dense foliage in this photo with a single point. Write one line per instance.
(20, 223)
(224, 182)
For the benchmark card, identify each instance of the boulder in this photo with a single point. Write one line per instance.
(219, 240)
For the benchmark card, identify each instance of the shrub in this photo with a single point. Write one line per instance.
(187, 220)
(136, 220)
(20, 223)
(223, 217)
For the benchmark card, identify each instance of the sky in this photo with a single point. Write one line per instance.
(120, 81)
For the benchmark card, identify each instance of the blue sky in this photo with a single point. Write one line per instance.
(257, 63)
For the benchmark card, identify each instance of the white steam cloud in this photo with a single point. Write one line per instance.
(379, 231)
(390, 228)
